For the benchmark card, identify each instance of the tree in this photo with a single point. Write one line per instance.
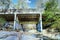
(51, 5)
(22, 4)
(4, 4)
(50, 18)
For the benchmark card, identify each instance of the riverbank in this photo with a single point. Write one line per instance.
(52, 35)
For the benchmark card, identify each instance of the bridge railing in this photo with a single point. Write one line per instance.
(12, 11)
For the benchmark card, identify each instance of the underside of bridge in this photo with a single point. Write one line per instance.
(7, 17)
(28, 21)
(31, 18)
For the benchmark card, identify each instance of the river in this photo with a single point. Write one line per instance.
(5, 35)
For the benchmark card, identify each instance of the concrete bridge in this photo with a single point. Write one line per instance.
(23, 16)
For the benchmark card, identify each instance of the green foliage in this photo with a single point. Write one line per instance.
(2, 21)
(51, 5)
(51, 16)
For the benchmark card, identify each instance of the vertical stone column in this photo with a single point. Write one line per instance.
(36, 27)
(22, 27)
(40, 20)
(41, 24)
(14, 20)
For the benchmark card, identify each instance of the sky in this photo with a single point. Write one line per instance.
(14, 1)
(31, 3)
